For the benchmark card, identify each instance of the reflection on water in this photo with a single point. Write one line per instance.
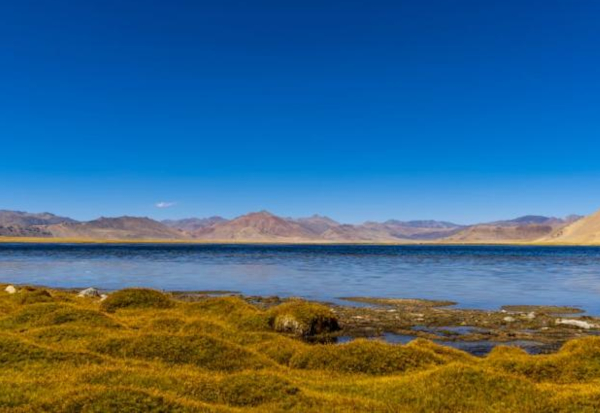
(450, 330)
(481, 277)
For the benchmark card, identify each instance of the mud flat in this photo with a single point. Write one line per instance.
(537, 329)
(534, 328)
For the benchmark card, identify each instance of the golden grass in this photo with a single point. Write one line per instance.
(136, 298)
(142, 351)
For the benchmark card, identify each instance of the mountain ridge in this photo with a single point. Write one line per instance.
(263, 226)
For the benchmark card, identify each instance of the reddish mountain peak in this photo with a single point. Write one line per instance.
(256, 225)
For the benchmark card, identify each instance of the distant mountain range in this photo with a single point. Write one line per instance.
(265, 227)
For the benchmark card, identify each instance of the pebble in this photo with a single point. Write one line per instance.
(509, 319)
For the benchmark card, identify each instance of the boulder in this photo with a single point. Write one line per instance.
(302, 318)
(10, 289)
(89, 292)
(576, 323)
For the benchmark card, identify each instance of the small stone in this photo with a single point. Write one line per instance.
(530, 316)
(10, 289)
(576, 323)
(89, 292)
(509, 319)
(103, 297)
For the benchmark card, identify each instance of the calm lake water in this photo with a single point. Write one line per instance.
(476, 277)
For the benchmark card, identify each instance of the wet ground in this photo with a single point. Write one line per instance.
(536, 329)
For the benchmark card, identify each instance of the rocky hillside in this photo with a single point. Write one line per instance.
(25, 219)
(414, 230)
(257, 226)
(316, 224)
(266, 227)
(193, 224)
(116, 228)
(523, 229)
(583, 231)
(15, 231)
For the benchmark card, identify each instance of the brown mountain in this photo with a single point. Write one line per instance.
(523, 229)
(414, 230)
(266, 227)
(357, 233)
(116, 228)
(583, 231)
(317, 224)
(32, 231)
(257, 226)
(193, 224)
(26, 219)
(501, 234)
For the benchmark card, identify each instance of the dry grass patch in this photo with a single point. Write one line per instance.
(367, 356)
(136, 298)
(577, 361)
(143, 352)
(203, 351)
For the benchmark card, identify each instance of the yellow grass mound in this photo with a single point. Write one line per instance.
(143, 351)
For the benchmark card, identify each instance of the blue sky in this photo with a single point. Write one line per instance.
(362, 110)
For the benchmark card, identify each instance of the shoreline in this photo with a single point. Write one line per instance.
(96, 241)
(537, 329)
(142, 349)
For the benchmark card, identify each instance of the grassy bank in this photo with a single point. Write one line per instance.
(144, 351)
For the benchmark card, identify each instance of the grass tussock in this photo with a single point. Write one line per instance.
(63, 354)
(33, 296)
(118, 400)
(136, 298)
(44, 315)
(367, 356)
(234, 310)
(578, 361)
(203, 351)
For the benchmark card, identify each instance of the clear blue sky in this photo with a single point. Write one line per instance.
(361, 110)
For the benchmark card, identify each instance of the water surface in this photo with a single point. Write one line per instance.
(474, 276)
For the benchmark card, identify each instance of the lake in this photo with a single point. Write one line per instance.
(484, 277)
